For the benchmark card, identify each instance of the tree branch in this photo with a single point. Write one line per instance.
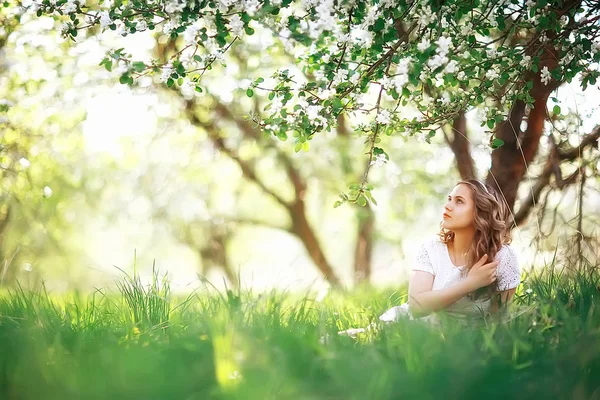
(552, 167)
(218, 141)
(460, 146)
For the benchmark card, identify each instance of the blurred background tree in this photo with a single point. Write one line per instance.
(92, 169)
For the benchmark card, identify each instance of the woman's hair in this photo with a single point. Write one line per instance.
(491, 221)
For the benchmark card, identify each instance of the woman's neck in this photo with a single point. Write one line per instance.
(462, 241)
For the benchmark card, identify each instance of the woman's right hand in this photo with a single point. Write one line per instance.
(482, 274)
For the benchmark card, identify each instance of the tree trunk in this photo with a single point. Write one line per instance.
(461, 147)
(302, 229)
(510, 162)
(363, 250)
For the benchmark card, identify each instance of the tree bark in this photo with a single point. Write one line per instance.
(363, 250)
(461, 147)
(365, 217)
(302, 229)
(510, 162)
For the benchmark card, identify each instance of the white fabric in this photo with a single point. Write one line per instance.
(433, 257)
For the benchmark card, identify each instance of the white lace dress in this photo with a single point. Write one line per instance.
(433, 257)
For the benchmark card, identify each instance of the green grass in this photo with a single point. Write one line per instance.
(143, 343)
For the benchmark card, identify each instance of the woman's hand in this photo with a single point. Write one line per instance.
(482, 274)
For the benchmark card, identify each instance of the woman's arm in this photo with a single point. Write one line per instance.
(422, 300)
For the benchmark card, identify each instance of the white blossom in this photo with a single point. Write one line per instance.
(425, 17)
(325, 93)
(545, 75)
(47, 191)
(167, 70)
(105, 19)
(24, 163)
(251, 6)
(174, 6)
(121, 29)
(236, 25)
(354, 78)
(461, 75)
(70, 7)
(362, 37)
(379, 160)
(121, 67)
(444, 44)
(141, 26)
(276, 105)
(421, 137)
(437, 61)
(169, 26)
(188, 88)
(340, 77)
(400, 81)
(312, 112)
(466, 29)
(451, 67)
(525, 62)
(492, 74)
(424, 44)
(383, 117)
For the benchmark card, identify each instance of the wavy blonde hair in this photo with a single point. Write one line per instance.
(492, 222)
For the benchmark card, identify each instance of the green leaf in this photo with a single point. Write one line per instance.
(370, 197)
(491, 123)
(556, 109)
(362, 201)
(249, 92)
(497, 143)
(138, 66)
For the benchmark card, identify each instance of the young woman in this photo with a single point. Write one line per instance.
(470, 270)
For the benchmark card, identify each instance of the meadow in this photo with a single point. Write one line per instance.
(143, 342)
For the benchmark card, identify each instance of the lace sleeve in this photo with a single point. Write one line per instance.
(423, 261)
(508, 273)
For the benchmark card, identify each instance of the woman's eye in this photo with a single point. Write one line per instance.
(459, 201)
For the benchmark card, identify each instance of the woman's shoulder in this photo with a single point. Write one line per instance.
(507, 250)
(433, 244)
(507, 255)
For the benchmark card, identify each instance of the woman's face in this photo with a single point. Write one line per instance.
(459, 210)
